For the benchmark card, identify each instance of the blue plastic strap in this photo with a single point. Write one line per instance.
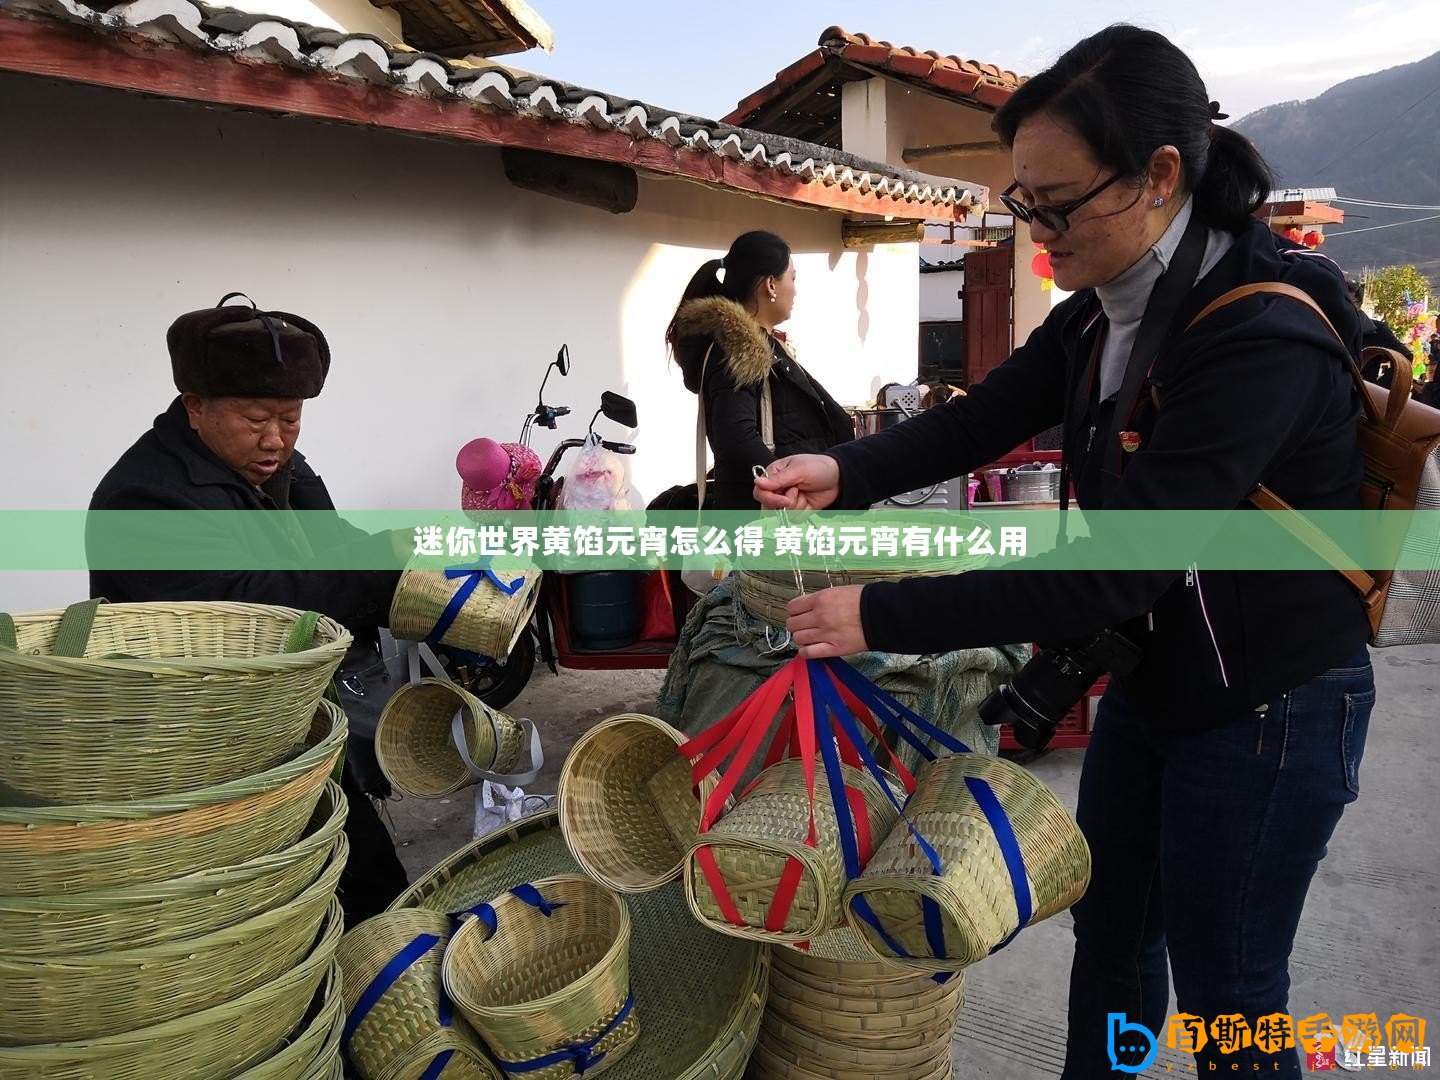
(382, 982)
(899, 715)
(473, 573)
(580, 1056)
(437, 1066)
(531, 895)
(849, 845)
(999, 821)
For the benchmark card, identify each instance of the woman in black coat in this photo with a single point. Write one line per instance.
(725, 339)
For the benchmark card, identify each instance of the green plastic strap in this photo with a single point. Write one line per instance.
(302, 634)
(7, 632)
(74, 631)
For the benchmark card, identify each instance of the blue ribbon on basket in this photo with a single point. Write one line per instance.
(473, 573)
(402, 962)
(905, 722)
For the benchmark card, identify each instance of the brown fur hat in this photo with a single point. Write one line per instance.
(237, 351)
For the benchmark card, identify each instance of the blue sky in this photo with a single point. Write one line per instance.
(705, 56)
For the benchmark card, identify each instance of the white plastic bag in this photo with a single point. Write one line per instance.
(497, 805)
(598, 481)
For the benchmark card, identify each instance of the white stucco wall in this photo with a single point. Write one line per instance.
(939, 296)
(443, 290)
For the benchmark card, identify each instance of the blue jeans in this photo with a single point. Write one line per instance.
(1203, 847)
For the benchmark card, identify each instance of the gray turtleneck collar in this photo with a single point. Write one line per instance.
(1124, 298)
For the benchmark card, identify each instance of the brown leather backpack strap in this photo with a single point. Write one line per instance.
(1279, 288)
(1307, 533)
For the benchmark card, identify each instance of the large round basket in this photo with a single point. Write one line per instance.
(313, 1047)
(207, 693)
(753, 843)
(57, 849)
(86, 997)
(701, 994)
(544, 978)
(485, 620)
(133, 916)
(422, 728)
(627, 803)
(212, 1044)
(392, 967)
(973, 895)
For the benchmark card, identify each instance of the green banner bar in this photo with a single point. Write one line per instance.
(927, 543)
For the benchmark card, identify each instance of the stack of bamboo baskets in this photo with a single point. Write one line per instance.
(170, 843)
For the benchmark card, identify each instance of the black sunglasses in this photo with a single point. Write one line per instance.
(1054, 218)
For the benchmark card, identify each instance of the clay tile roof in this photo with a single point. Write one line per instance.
(803, 100)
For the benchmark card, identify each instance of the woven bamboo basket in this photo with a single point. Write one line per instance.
(213, 1044)
(210, 696)
(311, 1049)
(87, 997)
(415, 739)
(755, 840)
(702, 994)
(974, 892)
(822, 1053)
(488, 624)
(47, 850)
(402, 1033)
(134, 916)
(540, 983)
(775, 1061)
(627, 804)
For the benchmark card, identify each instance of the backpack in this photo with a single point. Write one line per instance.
(1400, 440)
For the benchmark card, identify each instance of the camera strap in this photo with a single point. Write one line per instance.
(1165, 300)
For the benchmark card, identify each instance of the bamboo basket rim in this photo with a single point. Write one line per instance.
(321, 953)
(325, 1027)
(472, 711)
(338, 639)
(228, 935)
(595, 973)
(34, 818)
(198, 882)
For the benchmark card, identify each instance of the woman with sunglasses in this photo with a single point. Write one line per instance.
(1219, 767)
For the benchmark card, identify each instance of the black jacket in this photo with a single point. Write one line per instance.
(169, 468)
(807, 419)
(1259, 391)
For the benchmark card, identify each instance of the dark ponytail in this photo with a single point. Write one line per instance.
(1127, 92)
(752, 258)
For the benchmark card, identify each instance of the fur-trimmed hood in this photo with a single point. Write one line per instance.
(748, 353)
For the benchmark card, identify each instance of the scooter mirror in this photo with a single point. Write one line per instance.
(618, 447)
(618, 408)
(562, 360)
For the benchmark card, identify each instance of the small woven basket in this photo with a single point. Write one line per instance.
(212, 1044)
(488, 623)
(133, 916)
(206, 693)
(755, 840)
(627, 804)
(974, 891)
(415, 738)
(548, 986)
(58, 849)
(87, 997)
(309, 1052)
(402, 1033)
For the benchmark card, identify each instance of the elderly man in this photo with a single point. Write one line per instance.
(228, 443)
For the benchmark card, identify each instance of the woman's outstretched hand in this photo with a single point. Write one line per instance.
(799, 482)
(827, 623)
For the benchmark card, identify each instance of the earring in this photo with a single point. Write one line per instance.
(772, 297)
(1159, 200)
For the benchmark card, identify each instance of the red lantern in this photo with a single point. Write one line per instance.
(1040, 265)
(1312, 239)
(1293, 234)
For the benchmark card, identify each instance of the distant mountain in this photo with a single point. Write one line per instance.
(1375, 137)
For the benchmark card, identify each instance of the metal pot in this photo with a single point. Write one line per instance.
(1035, 482)
(871, 421)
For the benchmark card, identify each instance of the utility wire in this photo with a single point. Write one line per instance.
(1423, 97)
(1384, 205)
(1392, 225)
